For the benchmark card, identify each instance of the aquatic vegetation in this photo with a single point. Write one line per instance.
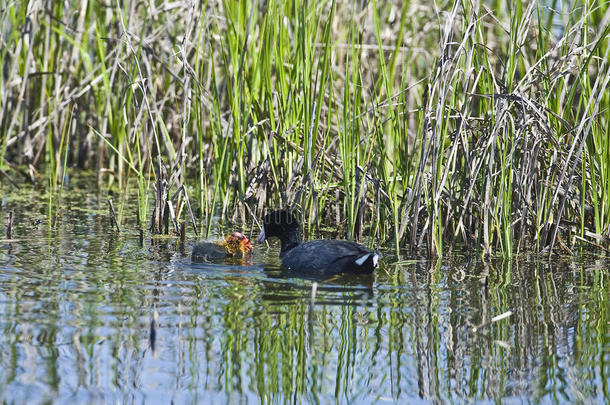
(412, 124)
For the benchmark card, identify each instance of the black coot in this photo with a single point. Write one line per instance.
(317, 256)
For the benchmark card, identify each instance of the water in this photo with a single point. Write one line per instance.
(89, 316)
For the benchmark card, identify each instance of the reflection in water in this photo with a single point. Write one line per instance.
(91, 316)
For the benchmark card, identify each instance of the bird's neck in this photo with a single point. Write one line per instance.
(290, 241)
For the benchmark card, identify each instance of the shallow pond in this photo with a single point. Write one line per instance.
(89, 316)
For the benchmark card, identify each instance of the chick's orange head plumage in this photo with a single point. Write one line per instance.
(238, 243)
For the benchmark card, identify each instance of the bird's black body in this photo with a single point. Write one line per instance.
(207, 251)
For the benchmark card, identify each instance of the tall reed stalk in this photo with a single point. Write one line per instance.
(401, 123)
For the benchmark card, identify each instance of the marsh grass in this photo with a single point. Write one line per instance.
(404, 123)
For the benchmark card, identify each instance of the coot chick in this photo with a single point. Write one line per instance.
(324, 257)
(234, 245)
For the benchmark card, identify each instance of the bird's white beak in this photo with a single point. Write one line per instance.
(261, 238)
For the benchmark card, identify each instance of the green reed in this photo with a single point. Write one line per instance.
(397, 123)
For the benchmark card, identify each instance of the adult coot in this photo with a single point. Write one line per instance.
(323, 257)
(235, 244)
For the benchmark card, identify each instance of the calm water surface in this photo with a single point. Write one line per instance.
(89, 316)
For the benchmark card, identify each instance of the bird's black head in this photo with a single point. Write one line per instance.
(283, 225)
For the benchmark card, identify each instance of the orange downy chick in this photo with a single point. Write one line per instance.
(237, 244)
